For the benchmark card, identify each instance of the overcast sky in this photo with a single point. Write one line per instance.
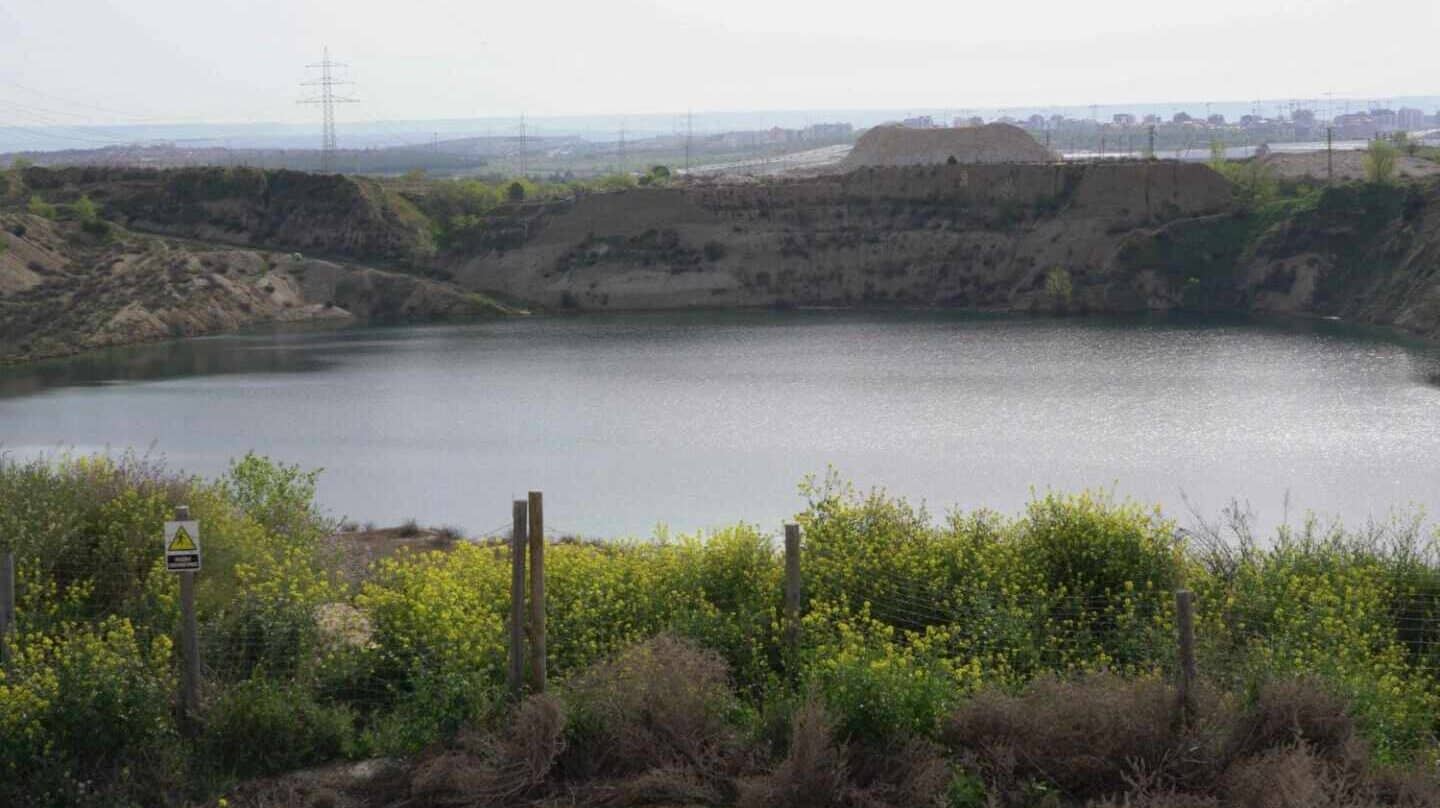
(108, 61)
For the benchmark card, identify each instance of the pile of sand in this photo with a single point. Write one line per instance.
(902, 146)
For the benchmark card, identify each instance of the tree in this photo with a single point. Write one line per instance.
(85, 210)
(1380, 162)
(516, 192)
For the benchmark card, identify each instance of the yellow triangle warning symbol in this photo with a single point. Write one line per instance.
(182, 543)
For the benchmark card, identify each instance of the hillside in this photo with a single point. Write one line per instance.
(197, 251)
(65, 288)
(326, 214)
(1107, 238)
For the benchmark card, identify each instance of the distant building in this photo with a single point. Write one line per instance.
(1251, 120)
(1152, 120)
(919, 122)
(1386, 120)
(828, 131)
(1181, 117)
(974, 120)
(1036, 121)
(1303, 117)
(1410, 118)
(1216, 120)
(1123, 119)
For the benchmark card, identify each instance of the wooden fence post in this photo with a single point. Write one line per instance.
(1185, 624)
(7, 604)
(792, 588)
(518, 540)
(537, 593)
(189, 638)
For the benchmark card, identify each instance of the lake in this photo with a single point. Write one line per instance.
(701, 419)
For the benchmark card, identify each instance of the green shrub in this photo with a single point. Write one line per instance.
(264, 726)
(41, 208)
(882, 684)
(87, 709)
(1380, 159)
(85, 210)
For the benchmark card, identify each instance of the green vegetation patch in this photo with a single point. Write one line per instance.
(909, 625)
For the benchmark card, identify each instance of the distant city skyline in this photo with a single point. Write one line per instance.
(379, 134)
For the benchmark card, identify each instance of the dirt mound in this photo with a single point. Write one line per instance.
(902, 146)
(1347, 165)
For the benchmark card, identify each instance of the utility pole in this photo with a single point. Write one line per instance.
(1329, 155)
(327, 99)
(1151, 153)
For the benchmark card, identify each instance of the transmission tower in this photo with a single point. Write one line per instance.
(689, 135)
(327, 99)
(524, 168)
(620, 152)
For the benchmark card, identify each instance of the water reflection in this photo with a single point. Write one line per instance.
(279, 352)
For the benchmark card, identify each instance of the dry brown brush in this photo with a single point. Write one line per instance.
(1106, 741)
(496, 769)
(821, 771)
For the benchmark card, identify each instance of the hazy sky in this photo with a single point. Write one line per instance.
(73, 61)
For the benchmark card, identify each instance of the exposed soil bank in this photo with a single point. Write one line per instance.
(1111, 238)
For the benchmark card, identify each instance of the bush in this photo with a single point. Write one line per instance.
(263, 726)
(41, 208)
(882, 684)
(86, 711)
(663, 703)
(1287, 712)
(1089, 738)
(500, 768)
(1380, 158)
(85, 210)
(813, 773)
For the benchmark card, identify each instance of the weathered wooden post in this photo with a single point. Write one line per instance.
(536, 529)
(182, 555)
(1185, 625)
(7, 604)
(792, 588)
(518, 540)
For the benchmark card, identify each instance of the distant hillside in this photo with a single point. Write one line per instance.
(328, 214)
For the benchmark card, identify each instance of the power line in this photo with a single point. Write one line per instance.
(327, 99)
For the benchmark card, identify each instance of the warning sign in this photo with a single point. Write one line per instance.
(182, 546)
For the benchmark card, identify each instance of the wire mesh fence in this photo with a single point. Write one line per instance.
(365, 648)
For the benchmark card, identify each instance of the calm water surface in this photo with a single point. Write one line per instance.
(696, 420)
